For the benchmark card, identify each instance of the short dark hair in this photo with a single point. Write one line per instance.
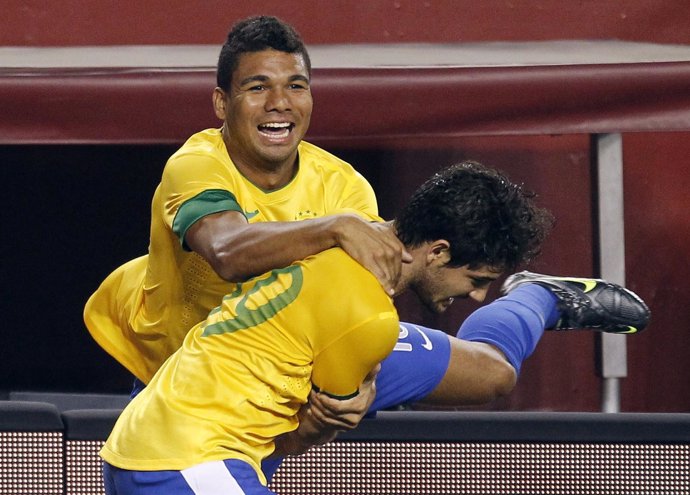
(487, 219)
(256, 34)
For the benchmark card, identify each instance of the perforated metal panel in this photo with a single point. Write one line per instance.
(410, 453)
(383, 468)
(482, 468)
(84, 469)
(31, 463)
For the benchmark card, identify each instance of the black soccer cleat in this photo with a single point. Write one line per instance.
(589, 302)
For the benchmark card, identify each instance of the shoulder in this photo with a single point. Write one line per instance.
(206, 141)
(203, 146)
(202, 156)
(337, 273)
(313, 156)
(338, 177)
(334, 260)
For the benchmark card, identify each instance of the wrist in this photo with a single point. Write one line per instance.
(340, 227)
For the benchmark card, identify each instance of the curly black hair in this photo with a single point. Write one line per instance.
(256, 34)
(487, 219)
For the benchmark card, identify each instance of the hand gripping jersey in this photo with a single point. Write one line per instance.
(142, 311)
(240, 377)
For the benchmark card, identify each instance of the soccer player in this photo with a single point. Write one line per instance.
(211, 413)
(226, 206)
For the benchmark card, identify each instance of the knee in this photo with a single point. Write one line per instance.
(477, 373)
(494, 376)
(503, 376)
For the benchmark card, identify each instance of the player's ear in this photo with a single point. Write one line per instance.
(438, 252)
(219, 103)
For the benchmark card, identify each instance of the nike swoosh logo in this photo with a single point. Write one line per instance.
(589, 284)
(251, 214)
(427, 343)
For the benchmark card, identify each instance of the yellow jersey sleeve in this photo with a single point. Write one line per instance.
(199, 181)
(348, 190)
(341, 367)
(359, 198)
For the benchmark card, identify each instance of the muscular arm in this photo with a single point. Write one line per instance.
(238, 250)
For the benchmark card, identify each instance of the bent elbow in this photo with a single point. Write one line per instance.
(225, 264)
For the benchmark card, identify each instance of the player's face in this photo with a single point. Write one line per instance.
(442, 283)
(267, 110)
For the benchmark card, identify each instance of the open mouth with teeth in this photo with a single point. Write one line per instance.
(276, 130)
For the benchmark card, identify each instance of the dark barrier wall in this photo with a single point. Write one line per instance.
(81, 210)
(74, 212)
(657, 181)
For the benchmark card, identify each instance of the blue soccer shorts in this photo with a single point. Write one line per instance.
(229, 477)
(412, 371)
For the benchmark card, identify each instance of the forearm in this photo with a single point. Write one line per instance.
(237, 250)
(261, 247)
(309, 433)
(323, 417)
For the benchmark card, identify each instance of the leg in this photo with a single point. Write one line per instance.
(477, 373)
(514, 323)
(483, 362)
(478, 366)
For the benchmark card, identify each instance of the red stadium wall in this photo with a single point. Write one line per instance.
(657, 222)
(69, 242)
(152, 22)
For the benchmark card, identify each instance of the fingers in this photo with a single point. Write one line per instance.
(406, 256)
(376, 247)
(388, 259)
(335, 407)
(341, 422)
(345, 414)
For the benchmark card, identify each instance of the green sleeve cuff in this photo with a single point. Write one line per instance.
(205, 203)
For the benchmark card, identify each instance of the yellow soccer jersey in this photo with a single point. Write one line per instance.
(142, 311)
(240, 377)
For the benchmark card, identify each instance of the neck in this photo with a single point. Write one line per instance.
(263, 172)
(268, 178)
